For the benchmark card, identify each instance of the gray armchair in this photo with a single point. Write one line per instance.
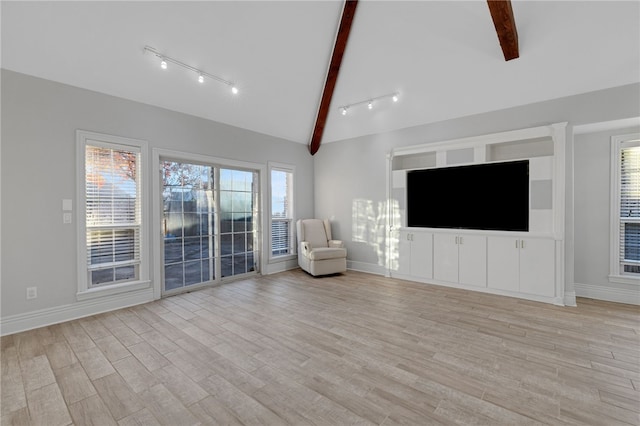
(318, 254)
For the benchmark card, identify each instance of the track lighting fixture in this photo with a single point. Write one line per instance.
(393, 96)
(164, 59)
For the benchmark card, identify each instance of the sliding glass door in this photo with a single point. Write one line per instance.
(188, 224)
(209, 222)
(238, 220)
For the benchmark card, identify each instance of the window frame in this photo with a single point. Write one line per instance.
(617, 144)
(291, 169)
(84, 139)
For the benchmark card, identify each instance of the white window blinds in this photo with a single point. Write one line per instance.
(281, 212)
(113, 214)
(630, 208)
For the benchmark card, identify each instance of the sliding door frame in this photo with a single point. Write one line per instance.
(159, 155)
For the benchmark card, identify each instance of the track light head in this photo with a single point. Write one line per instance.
(370, 105)
(395, 98)
(234, 90)
(343, 110)
(200, 78)
(163, 64)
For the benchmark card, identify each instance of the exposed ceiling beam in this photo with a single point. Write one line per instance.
(502, 15)
(332, 74)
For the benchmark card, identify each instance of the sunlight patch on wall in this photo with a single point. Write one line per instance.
(369, 226)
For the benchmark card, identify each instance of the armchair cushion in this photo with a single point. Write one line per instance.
(323, 253)
(314, 233)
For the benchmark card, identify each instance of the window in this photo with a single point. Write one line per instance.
(282, 235)
(625, 208)
(111, 217)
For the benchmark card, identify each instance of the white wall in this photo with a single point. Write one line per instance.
(592, 218)
(350, 174)
(39, 120)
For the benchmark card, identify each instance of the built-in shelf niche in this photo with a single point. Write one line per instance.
(522, 149)
(423, 160)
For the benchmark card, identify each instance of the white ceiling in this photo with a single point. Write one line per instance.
(443, 57)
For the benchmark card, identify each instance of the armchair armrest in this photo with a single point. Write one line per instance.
(336, 244)
(305, 247)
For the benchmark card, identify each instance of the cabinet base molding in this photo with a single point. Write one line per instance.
(559, 301)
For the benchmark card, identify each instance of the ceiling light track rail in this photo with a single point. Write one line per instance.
(369, 102)
(164, 59)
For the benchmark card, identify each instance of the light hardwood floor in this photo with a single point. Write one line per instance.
(348, 349)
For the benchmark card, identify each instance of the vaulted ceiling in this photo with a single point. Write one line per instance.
(444, 58)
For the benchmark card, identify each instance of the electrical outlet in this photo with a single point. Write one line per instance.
(32, 292)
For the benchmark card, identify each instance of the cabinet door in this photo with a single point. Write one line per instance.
(422, 255)
(403, 262)
(472, 256)
(503, 264)
(445, 257)
(537, 267)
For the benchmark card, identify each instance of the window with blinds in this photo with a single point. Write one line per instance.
(629, 202)
(282, 243)
(112, 214)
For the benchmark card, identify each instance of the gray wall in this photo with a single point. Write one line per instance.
(351, 173)
(39, 119)
(592, 204)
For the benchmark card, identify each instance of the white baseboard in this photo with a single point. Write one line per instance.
(570, 298)
(366, 267)
(274, 268)
(610, 294)
(30, 320)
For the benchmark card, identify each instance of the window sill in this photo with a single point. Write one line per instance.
(624, 279)
(284, 258)
(110, 290)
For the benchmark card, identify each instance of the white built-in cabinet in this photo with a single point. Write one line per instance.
(529, 264)
(460, 259)
(524, 265)
(415, 254)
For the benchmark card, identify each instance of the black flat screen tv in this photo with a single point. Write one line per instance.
(490, 196)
